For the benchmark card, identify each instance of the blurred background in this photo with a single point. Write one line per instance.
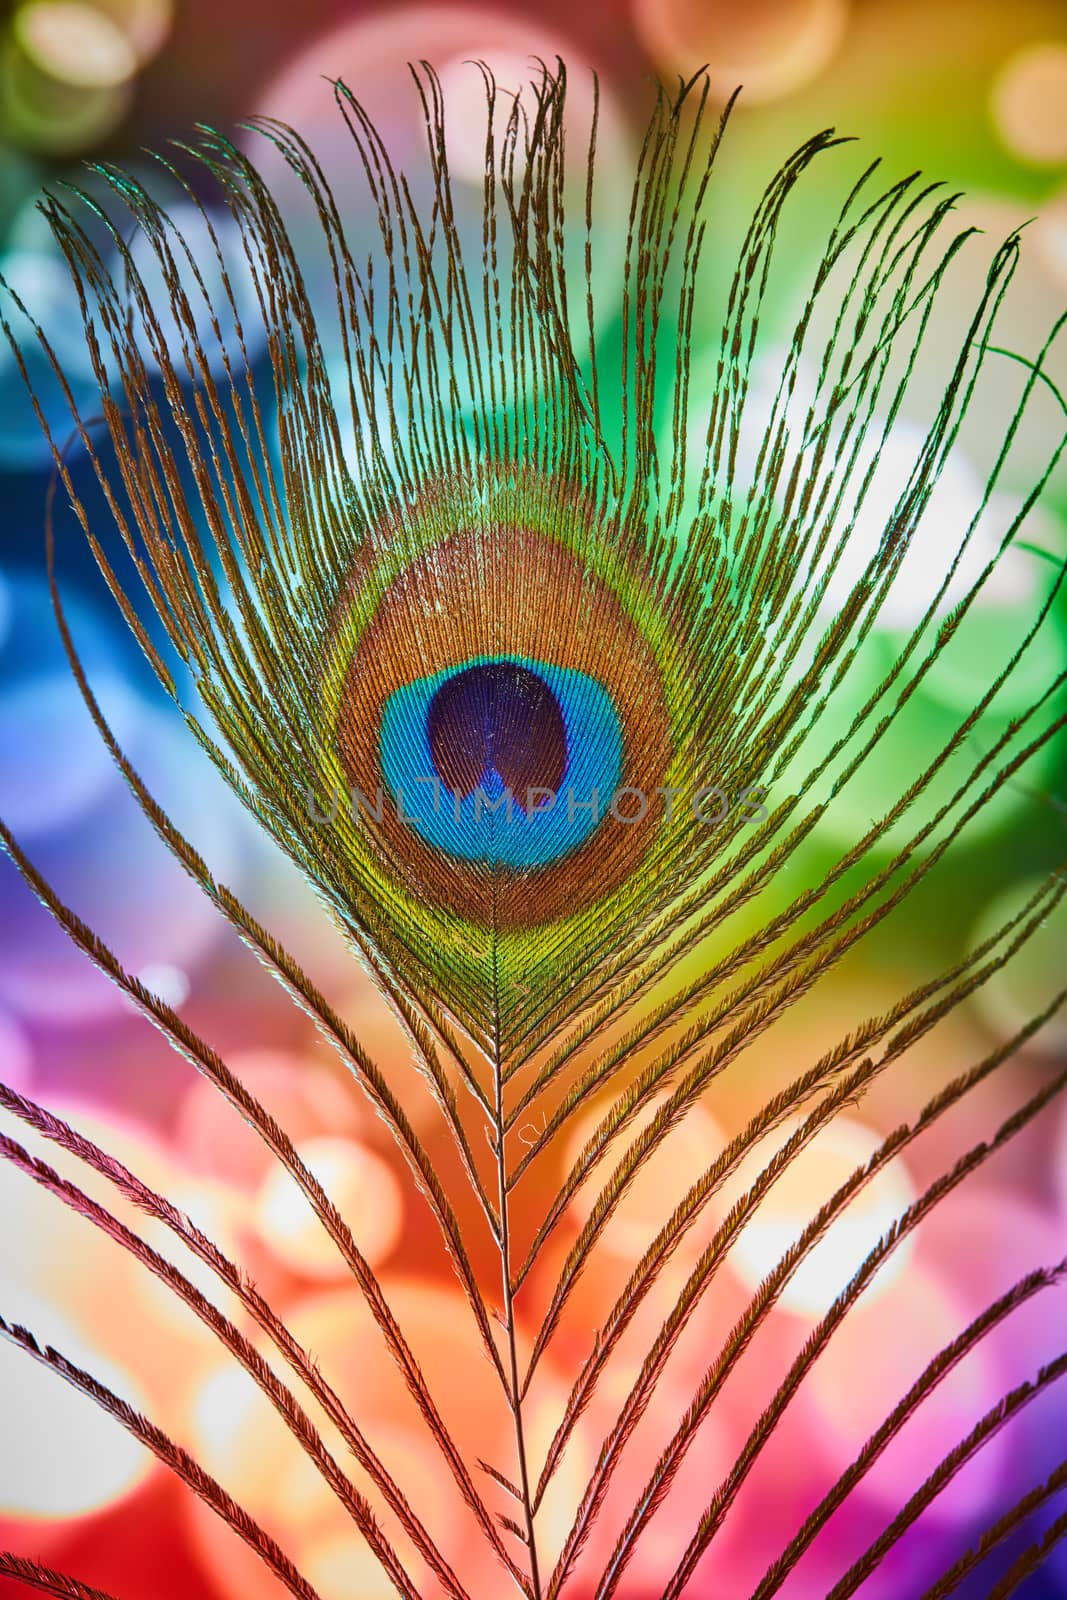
(973, 92)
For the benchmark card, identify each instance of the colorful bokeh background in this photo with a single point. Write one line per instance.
(973, 92)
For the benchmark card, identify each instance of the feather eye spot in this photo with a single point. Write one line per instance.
(506, 762)
(502, 753)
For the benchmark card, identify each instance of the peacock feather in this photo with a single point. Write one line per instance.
(541, 699)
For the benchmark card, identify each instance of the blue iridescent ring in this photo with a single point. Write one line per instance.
(502, 760)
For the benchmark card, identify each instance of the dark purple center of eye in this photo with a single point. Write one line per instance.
(498, 717)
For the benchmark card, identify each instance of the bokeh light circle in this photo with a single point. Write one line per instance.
(370, 55)
(239, 1438)
(303, 1096)
(63, 765)
(344, 1568)
(72, 1458)
(769, 47)
(221, 1215)
(117, 872)
(75, 43)
(104, 1295)
(807, 1183)
(361, 1186)
(41, 113)
(59, 766)
(659, 1185)
(144, 23)
(955, 503)
(465, 109)
(1012, 580)
(166, 981)
(1002, 612)
(1029, 96)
